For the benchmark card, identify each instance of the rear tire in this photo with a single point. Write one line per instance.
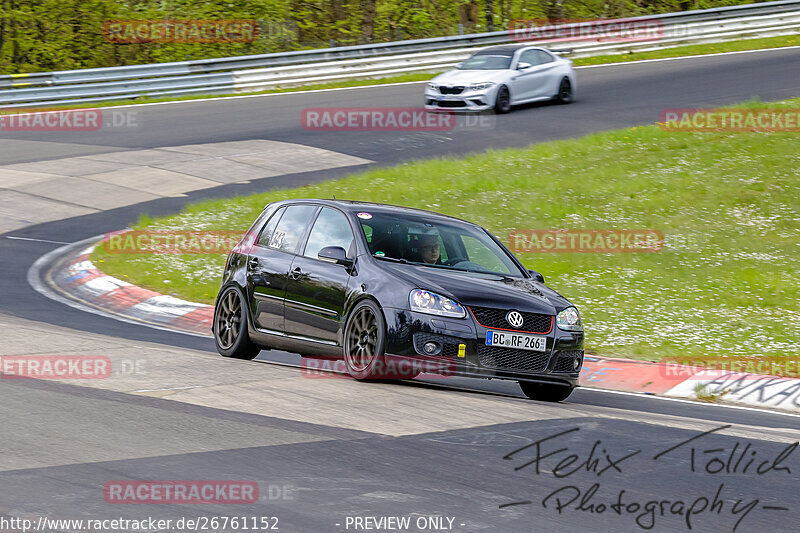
(545, 392)
(502, 104)
(230, 326)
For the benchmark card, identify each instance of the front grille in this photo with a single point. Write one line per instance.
(451, 90)
(490, 317)
(566, 361)
(449, 344)
(452, 103)
(511, 359)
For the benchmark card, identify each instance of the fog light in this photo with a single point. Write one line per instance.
(430, 347)
(576, 364)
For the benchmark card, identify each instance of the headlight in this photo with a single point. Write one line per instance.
(434, 304)
(569, 320)
(433, 86)
(480, 86)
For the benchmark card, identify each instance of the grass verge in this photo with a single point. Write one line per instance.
(682, 51)
(724, 288)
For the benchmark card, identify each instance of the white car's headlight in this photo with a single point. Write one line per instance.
(434, 304)
(569, 320)
(481, 86)
(433, 86)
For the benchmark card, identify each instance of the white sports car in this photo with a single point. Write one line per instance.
(502, 76)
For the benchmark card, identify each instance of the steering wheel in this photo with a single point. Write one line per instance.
(453, 261)
(469, 265)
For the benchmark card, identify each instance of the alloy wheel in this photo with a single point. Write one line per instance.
(229, 320)
(362, 339)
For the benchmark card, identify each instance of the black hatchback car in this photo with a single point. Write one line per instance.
(395, 291)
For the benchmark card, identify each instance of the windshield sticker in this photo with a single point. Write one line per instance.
(380, 254)
(365, 216)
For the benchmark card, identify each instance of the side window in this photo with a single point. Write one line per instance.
(530, 57)
(330, 229)
(269, 227)
(544, 57)
(289, 230)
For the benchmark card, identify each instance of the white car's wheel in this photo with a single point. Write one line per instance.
(502, 103)
(566, 94)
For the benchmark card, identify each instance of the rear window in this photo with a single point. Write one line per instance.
(269, 227)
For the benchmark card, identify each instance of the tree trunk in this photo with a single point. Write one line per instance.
(4, 9)
(488, 7)
(337, 12)
(468, 15)
(555, 10)
(367, 21)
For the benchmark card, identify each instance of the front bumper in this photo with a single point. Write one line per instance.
(466, 101)
(464, 351)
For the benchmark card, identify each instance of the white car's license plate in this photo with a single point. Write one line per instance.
(535, 343)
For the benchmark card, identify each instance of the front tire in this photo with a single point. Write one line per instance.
(364, 341)
(502, 104)
(545, 392)
(566, 95)
(230, 326)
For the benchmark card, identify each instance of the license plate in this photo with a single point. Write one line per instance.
(534, 343)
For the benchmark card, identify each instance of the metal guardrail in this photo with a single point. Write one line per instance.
(287, 69)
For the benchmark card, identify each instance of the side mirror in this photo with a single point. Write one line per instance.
(336, 255)
(523, 66)
(536, 276)
(458, 65)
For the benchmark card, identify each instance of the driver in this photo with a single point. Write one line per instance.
(429, 249)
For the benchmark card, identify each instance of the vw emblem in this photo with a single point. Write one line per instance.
(515, 319)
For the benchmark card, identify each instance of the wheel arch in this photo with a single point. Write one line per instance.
(351, 307)
(243, 293)
(507, 86)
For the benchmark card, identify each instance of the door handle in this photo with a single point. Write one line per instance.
(296, 273)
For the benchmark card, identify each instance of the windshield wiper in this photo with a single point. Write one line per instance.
(407, 262)
(446, 267)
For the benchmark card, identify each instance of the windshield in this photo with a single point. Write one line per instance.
(434, 243)
(487, 62)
